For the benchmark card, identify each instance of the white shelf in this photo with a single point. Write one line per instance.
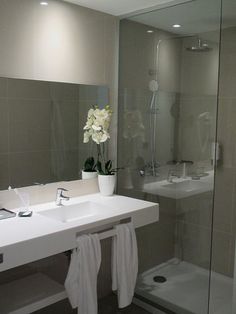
(29, 294)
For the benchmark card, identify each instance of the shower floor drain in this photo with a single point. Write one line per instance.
(160, 279)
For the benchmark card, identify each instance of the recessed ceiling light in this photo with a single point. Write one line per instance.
(44, 3)
(150, 31)
(176, 25)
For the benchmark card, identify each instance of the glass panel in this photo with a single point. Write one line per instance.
(167, 121)
(41, 130)
(223, 288)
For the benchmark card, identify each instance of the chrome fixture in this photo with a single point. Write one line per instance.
(142, 173)
(200, 47)
(171, 175)
(60, 196)
(185, 163)
(176, 164)
(151, 168)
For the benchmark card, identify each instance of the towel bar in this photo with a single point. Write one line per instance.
(107, 234)
(110, 232)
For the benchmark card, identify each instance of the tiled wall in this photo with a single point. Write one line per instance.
(197, 132)
(138, 53)
(224, 214)
(185, 225)
(198, 100)
(225, 187)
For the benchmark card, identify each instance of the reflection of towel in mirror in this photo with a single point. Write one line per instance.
(124, 263)
(81, 281)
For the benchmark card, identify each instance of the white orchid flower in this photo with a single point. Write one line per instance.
(97, 125)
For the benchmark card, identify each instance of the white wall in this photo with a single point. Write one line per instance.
(61, 42)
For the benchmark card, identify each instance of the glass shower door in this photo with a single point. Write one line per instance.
(167, 120)
(223, 283)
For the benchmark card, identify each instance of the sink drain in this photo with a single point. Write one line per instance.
(159, 279)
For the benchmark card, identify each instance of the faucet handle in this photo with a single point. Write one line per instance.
(186, 162)
(62, 189)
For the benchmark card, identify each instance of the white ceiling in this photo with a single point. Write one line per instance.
(195, 17)
(123, 7)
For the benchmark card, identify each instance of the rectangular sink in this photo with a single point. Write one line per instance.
(74, 212)
(186, 186)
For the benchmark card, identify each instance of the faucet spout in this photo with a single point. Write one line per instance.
(60, 196)
(171, 175)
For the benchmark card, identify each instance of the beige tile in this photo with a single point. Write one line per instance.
(64, 125)
(195, 244)
(232, 258)
(72, 165)
(155, 244)
(221, 253)
(227, 68)
(88, 93)
(226, 131)
(28, 89)
(30, 122)
(196, 209)
(199, 72)
(4, 126)
(5, 171)
(29, 167)
(223, 203)
(64, 91)
(3, 87)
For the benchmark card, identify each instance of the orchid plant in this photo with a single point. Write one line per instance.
(97, 129)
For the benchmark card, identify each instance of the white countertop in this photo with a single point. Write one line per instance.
(23, 240)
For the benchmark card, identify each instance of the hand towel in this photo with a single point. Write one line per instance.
(81, 281)
(124, 263)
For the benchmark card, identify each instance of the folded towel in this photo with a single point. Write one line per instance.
(124, 263)
(81, 281)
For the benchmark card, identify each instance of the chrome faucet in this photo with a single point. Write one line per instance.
(60, 196)
(171, 175)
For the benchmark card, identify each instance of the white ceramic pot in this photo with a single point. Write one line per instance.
(107, 184)
(89, 175)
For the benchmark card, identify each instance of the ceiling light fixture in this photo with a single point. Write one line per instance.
(150, 31)
(44, 3)
(176, 25)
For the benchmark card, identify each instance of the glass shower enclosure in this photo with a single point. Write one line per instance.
(176, 147)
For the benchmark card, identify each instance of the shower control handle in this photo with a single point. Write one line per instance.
(190, 162)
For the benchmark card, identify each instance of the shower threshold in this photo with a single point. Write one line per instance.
(185, 290)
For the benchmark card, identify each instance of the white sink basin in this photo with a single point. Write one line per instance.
(180, 188)
(74, 212)
(186, 186)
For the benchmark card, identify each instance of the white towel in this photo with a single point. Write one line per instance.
(81, 281)
(124, 263)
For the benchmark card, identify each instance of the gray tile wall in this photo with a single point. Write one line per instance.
(41, 130)
(225, 186)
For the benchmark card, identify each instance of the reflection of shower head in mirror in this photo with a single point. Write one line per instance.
(153, 86)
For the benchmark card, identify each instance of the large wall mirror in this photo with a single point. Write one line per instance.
(41, 130)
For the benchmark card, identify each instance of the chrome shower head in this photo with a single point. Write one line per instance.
(200, 47)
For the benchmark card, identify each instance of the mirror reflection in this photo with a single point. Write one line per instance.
(41, 130)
